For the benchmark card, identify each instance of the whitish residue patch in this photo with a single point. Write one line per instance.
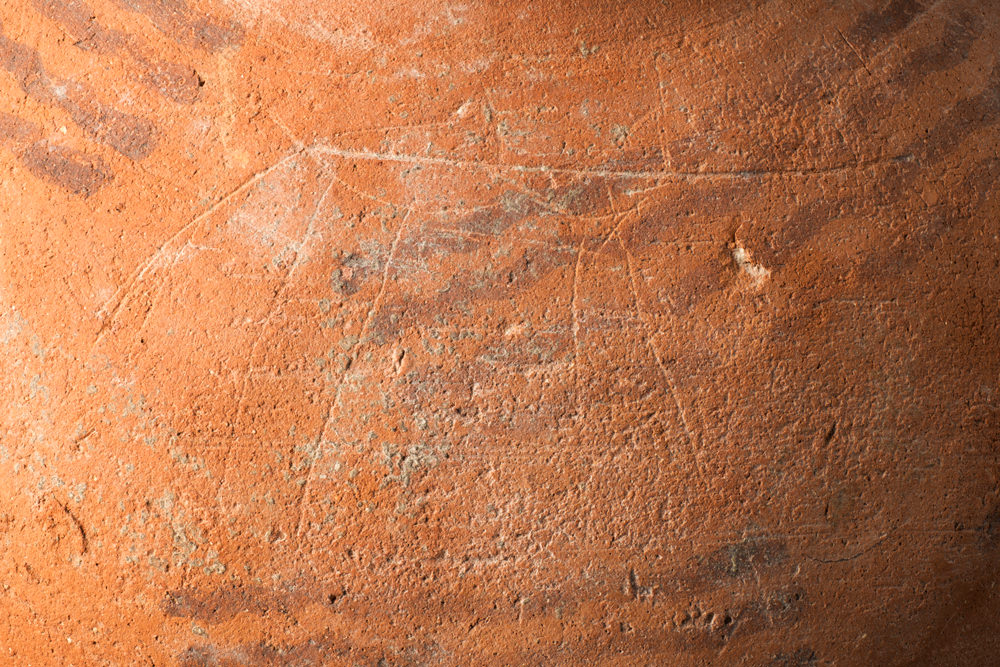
(745, 263)
(268, 216)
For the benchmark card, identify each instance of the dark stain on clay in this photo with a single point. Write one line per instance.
(800, 657)
(16, 130)
(178, 82)
(316, 650)
(886, 22)
(966, 115)
(214, 606)
(741, 560)
(989, 530)
(354, 271)
(198, 656)
(511, 208)
(172, 80)
(949, 50)
(780, 608)
(67, 168)
(130, 135)
(176, 20)
(78, 18)
(475, 232)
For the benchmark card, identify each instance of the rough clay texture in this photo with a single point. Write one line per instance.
(392, 333)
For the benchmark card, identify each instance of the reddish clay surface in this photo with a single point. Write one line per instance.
(391, 333)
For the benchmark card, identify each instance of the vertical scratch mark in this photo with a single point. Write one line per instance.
(663, 111)
(575, 309)
(286, 281)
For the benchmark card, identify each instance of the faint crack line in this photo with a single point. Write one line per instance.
(852, 556)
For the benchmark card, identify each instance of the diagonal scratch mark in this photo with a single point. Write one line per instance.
(277, 300)
(335, 401)
(681, 413)
(163, 284)
(623, 217)
(273, 308)
(845, 559)
(855, 50)
(121, 295)
(361, 192)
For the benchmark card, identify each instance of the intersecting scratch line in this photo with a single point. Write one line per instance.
(327, 421)
(622, 218)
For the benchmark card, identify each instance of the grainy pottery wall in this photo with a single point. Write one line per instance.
(499, 333)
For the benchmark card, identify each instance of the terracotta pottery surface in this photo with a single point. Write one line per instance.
(499, 333)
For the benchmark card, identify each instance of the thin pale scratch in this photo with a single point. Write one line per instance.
(385, 273)
(855, 50)
(681, 412)
(335, 401)
(278, 298)
(273, 308)
(121, 295)
(663, 111)
(575, 308)
(363, 193)
(163, 284)
(693, 175)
